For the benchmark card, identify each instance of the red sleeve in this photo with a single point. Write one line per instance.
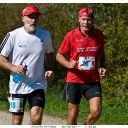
(65, 46)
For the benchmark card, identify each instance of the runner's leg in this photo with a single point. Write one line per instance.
(37, 101)
(95, 110)
(93, 95)
(72, 94)
(73, 112)
(36, 114)
(17, 119)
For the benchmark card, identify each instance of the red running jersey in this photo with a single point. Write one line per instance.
(85, 50)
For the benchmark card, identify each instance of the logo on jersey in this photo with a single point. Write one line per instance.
(79, 40)
(22, 46)
(87, 49)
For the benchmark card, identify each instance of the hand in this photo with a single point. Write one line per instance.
(102, 72)
(20, 69)
(49, 75)
(72, 64)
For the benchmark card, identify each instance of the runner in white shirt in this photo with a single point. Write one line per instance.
(31, 45)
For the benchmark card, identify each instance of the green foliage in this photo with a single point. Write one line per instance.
(4, 77)
(61, 18)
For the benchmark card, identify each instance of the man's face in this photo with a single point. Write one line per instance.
(31, 23)
(86, 23)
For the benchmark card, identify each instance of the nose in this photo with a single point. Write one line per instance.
(33, 19)
(86, 21)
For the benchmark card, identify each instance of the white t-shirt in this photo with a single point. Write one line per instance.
(20, 47)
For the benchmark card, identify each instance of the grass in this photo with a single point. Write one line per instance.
(111, 115)
(4, 106)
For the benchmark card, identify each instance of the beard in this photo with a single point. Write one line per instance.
(31, 28)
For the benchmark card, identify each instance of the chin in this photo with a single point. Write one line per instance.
(86, 30)
(32, 29)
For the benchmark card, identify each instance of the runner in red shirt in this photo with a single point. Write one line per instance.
(84, 47)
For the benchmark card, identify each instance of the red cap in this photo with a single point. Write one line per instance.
(86, 12)
(29, 10)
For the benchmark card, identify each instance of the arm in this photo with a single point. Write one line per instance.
(4, 63)
(102, 64)
(63, 61)
(102, 59)
(49, 59)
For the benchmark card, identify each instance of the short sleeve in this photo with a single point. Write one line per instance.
(49, 47)
(7, 45)
(65, 46)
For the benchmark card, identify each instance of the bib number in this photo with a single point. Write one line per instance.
(16, 104)
(86, 63)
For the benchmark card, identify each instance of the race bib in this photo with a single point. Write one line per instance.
(86, 63)
(16, 104)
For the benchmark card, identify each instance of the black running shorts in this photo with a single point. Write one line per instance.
(73, 92)
(35, 98)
